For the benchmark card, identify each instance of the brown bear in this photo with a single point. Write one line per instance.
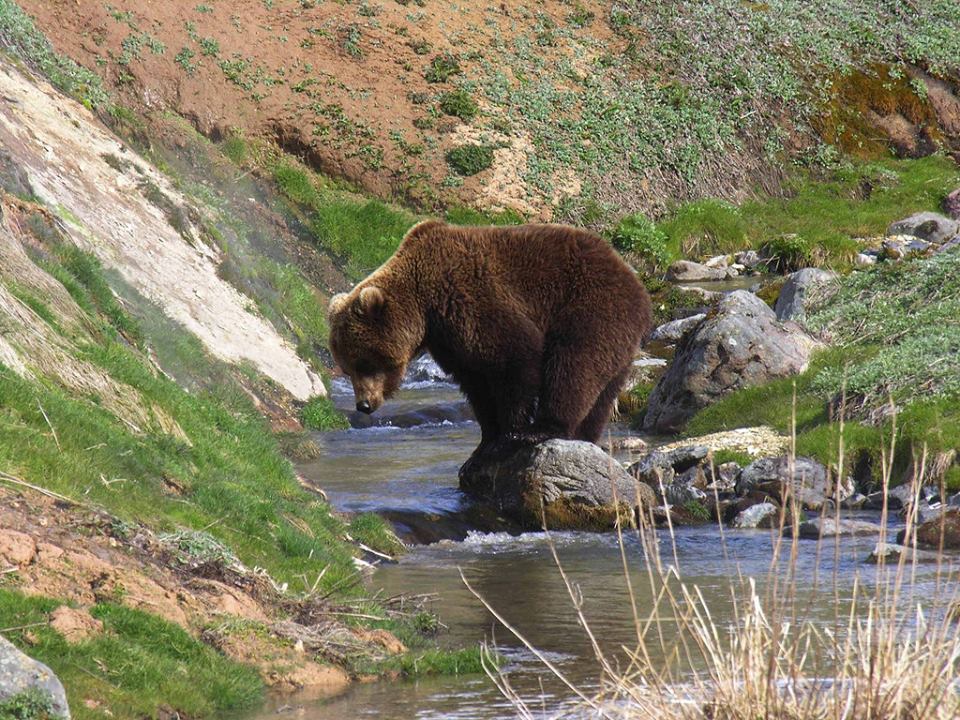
(538, 324)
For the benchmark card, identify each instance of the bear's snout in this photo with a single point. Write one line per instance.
(364, 406)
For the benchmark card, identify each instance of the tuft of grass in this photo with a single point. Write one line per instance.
(375, 532)
(320, 414)
(639, 237)
(139, 664)
(470, 159)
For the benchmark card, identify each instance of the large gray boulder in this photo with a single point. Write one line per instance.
(800, 289)
(20, 673)
(741, 345)
(574, 484)
(930, 226)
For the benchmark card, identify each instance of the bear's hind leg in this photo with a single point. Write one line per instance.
(592, 426)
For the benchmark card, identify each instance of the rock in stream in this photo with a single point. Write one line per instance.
(570, 483)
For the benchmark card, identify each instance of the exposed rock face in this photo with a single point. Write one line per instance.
(742, 345)
(131, 217)
(19, 673)
(799, 290)
(932, 227)
(689, 271)
(575, 481)
(806, 478)
(673, 331)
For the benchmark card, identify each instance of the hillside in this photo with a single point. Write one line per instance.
(581, 111)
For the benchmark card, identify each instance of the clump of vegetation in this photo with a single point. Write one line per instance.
(459, 103)
(375, 532)
(320, 414)
(470, 159)
(442, 68)
(639, 236)
(140, 663)
(21, 36)
(32, 704)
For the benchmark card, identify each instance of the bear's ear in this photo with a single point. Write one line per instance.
(336, 303)
(371, 301)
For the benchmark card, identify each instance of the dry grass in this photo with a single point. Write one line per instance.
(890, 652)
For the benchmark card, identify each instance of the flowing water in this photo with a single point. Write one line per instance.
(404, 466)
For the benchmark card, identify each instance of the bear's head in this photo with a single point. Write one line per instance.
(372, 342)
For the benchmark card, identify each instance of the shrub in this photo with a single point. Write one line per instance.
(459, 104)
(637, 234)
(470, 159)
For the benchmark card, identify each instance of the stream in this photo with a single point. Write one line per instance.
(403, 465)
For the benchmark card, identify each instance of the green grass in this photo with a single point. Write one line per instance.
(320, 414)
(375, 532)
(137, 665)
(22, 37)
(236, 481)
(361, 231)
(812, 225)
(459, 103)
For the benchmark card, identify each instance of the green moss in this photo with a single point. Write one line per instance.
(320, 414)
(470, 159)
(139, 664)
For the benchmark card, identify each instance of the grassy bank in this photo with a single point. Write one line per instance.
(814, 225)
(138, 664)
(895, 335)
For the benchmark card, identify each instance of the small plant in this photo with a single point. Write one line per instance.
(420, 47)
(203, 8)
(184, 59)
(470, 159)
(442, 68)
(209, 47)
(458, 103)
(32, 704)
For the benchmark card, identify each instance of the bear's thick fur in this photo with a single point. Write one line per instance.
(538, 324)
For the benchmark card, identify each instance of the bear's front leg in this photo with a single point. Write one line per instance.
(484, 409)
